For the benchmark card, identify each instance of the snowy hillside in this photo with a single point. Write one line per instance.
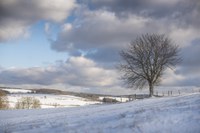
(17, 90)
(167, 114)
(52, 101)
(47, 100)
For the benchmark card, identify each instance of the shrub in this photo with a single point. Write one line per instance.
(4, 104)
(109, 100)
(27, 103)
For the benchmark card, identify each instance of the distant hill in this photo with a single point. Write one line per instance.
(59, 92)
(78, 94)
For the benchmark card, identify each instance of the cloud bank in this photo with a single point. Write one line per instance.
(76, 71)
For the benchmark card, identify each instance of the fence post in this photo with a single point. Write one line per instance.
(163, 94)
(168, 93)
(157, 93)
(179, 92)
(171, 93)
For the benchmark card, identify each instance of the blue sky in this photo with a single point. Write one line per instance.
(75, 44)
(33, 50)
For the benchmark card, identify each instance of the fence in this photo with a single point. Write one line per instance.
(166, 93)
(175, 92)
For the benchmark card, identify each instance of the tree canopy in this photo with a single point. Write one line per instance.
(146, 58)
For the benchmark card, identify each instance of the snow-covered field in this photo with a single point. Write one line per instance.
(52, 101)
(17, 90)
(154, 115)
(47, 100)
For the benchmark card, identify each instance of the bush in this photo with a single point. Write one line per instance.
(27, 103)
(4, 104)
(109, 100)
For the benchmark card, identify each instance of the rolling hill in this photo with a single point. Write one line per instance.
(167, 114)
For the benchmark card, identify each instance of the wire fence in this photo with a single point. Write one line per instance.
(175, 92)
(166, 93)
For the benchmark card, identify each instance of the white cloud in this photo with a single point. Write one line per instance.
(47, 28)
(66, 27)
(103, 29)
(99, 29)
(184, 36)
(165, 2)
(55, 10)
(86, 72)
(172, 78)
(81, 62)
(76, 71)
(12, 30)
(106, 33)
(18, 15)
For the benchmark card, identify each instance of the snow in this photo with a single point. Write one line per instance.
(52, 101)
(17, 90)
(154, 115)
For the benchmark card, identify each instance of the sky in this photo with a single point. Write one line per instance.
(75, 44)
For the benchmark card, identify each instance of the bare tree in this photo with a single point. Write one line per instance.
(4, 104)
(27, 103)
(145, 60)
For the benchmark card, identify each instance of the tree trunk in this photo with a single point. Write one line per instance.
(150, 90)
